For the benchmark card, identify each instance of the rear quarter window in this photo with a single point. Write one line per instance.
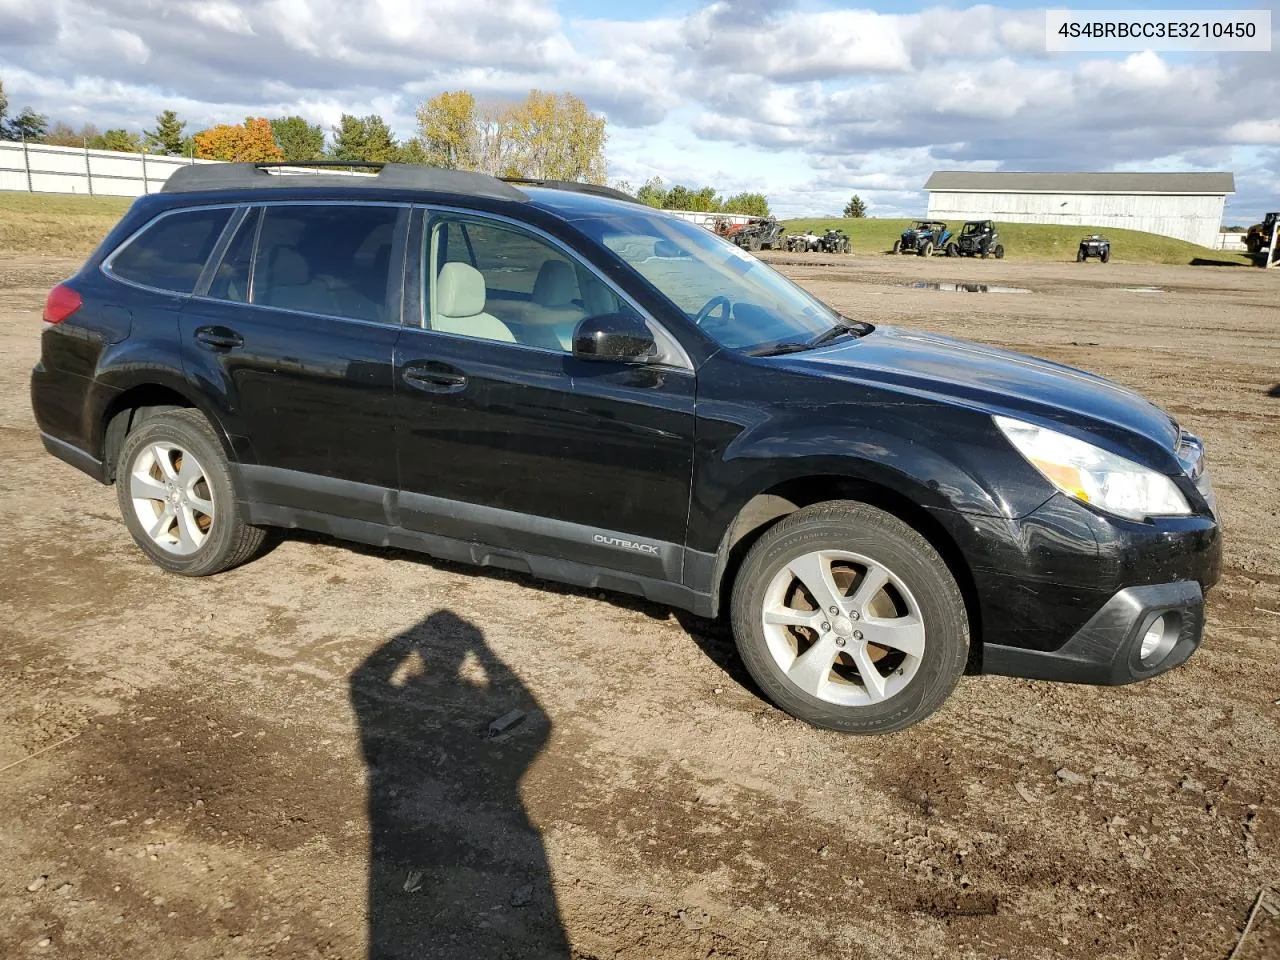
(170, 253)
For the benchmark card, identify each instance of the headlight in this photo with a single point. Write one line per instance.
(1093, 475)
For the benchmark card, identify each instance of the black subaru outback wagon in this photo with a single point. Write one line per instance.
(554, 379)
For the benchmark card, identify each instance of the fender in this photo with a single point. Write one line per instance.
(136, 364)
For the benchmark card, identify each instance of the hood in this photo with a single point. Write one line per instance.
(997, 381)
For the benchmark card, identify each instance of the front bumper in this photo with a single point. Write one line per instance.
(1107, 649)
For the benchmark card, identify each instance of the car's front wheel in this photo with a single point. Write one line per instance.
(848, 619)
(175, 490)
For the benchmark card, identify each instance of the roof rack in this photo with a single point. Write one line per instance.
(574, 186)
(406, 176)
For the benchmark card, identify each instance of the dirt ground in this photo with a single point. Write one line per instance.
(293, 759)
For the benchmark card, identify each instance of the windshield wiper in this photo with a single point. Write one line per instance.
(774, 349)
(839, 330)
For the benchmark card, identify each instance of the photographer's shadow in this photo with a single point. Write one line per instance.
(456, 870)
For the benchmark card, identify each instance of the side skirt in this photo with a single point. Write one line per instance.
(456, 537)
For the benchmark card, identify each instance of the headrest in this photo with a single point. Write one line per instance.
(288, 268)
(460, 291)
(556, 285)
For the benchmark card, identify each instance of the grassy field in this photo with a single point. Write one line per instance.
(66, 225)
(1032, 241)
(56, 224)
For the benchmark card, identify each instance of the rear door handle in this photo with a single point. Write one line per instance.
(219, 338)
(435, 378)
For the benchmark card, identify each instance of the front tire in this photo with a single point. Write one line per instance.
(953, 250)
(897, 246)
(926, 250)
(895, 646)
(174, 486)
(999, 251)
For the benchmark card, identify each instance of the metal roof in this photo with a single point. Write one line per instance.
(999, 181)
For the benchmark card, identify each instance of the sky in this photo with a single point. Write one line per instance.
(806, 101)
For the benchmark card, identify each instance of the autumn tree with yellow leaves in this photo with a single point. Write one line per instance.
(250, 142)
(546, 136)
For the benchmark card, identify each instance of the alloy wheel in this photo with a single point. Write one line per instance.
(171, 497)
(843, 627)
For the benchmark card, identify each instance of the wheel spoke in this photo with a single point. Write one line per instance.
(190, 536)
(810, 670)
(143, 487)
(871, 677)
(190, 473)
(873, 581)
(161, 455)
(896, 633)
(200, 505)
(163, 522)
(814, 571)
(790, 617)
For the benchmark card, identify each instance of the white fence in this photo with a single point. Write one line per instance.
(40, 168)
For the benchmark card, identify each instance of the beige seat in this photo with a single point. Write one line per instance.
(554, 291)
(460, 298)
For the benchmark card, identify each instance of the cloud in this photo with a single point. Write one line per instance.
(802, 101)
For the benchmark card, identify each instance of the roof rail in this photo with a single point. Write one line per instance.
(405, 176)
(574, 186)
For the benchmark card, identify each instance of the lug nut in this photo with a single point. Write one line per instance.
(857, 634)
(839, 641)
(835, 611)
(826, 627)
(854, 615)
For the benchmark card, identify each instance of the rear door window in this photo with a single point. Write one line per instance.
(171, 252)
(333, 260)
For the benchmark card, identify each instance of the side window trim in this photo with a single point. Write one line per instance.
(105, 266)
(219, 251)
(395, 306)
(430, 211)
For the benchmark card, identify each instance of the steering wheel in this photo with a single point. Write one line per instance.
(717, 301)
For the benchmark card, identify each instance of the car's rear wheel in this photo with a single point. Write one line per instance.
(848, 619)
(953, 250)
(176, 495)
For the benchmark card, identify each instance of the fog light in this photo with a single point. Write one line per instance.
(1154, 634)
(1159, 639)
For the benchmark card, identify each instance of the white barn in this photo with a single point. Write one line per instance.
(1187, 206)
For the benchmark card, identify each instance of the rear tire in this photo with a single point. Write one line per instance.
(174, 486)
(953, 250)
(884, 580)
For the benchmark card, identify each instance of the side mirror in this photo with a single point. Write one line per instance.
(615, 337)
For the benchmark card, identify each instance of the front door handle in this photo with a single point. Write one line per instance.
(219, 338)
(435, 378)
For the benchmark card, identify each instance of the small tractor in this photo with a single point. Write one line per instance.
(762, 234)
(923, 237)
(1094, 245)
(1258, 239)
(978, 238)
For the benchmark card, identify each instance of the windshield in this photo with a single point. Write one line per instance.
(974, 228)
(733, 297)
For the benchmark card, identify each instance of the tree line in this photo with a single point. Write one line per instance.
(545, 136)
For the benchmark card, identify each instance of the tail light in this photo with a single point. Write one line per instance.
(61, 303)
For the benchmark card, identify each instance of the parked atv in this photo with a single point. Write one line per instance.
(803, 242)
(1094, 246)
(979, 238)
(834, 241)
(923, 237)
(762, 234)
(1258, 239)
